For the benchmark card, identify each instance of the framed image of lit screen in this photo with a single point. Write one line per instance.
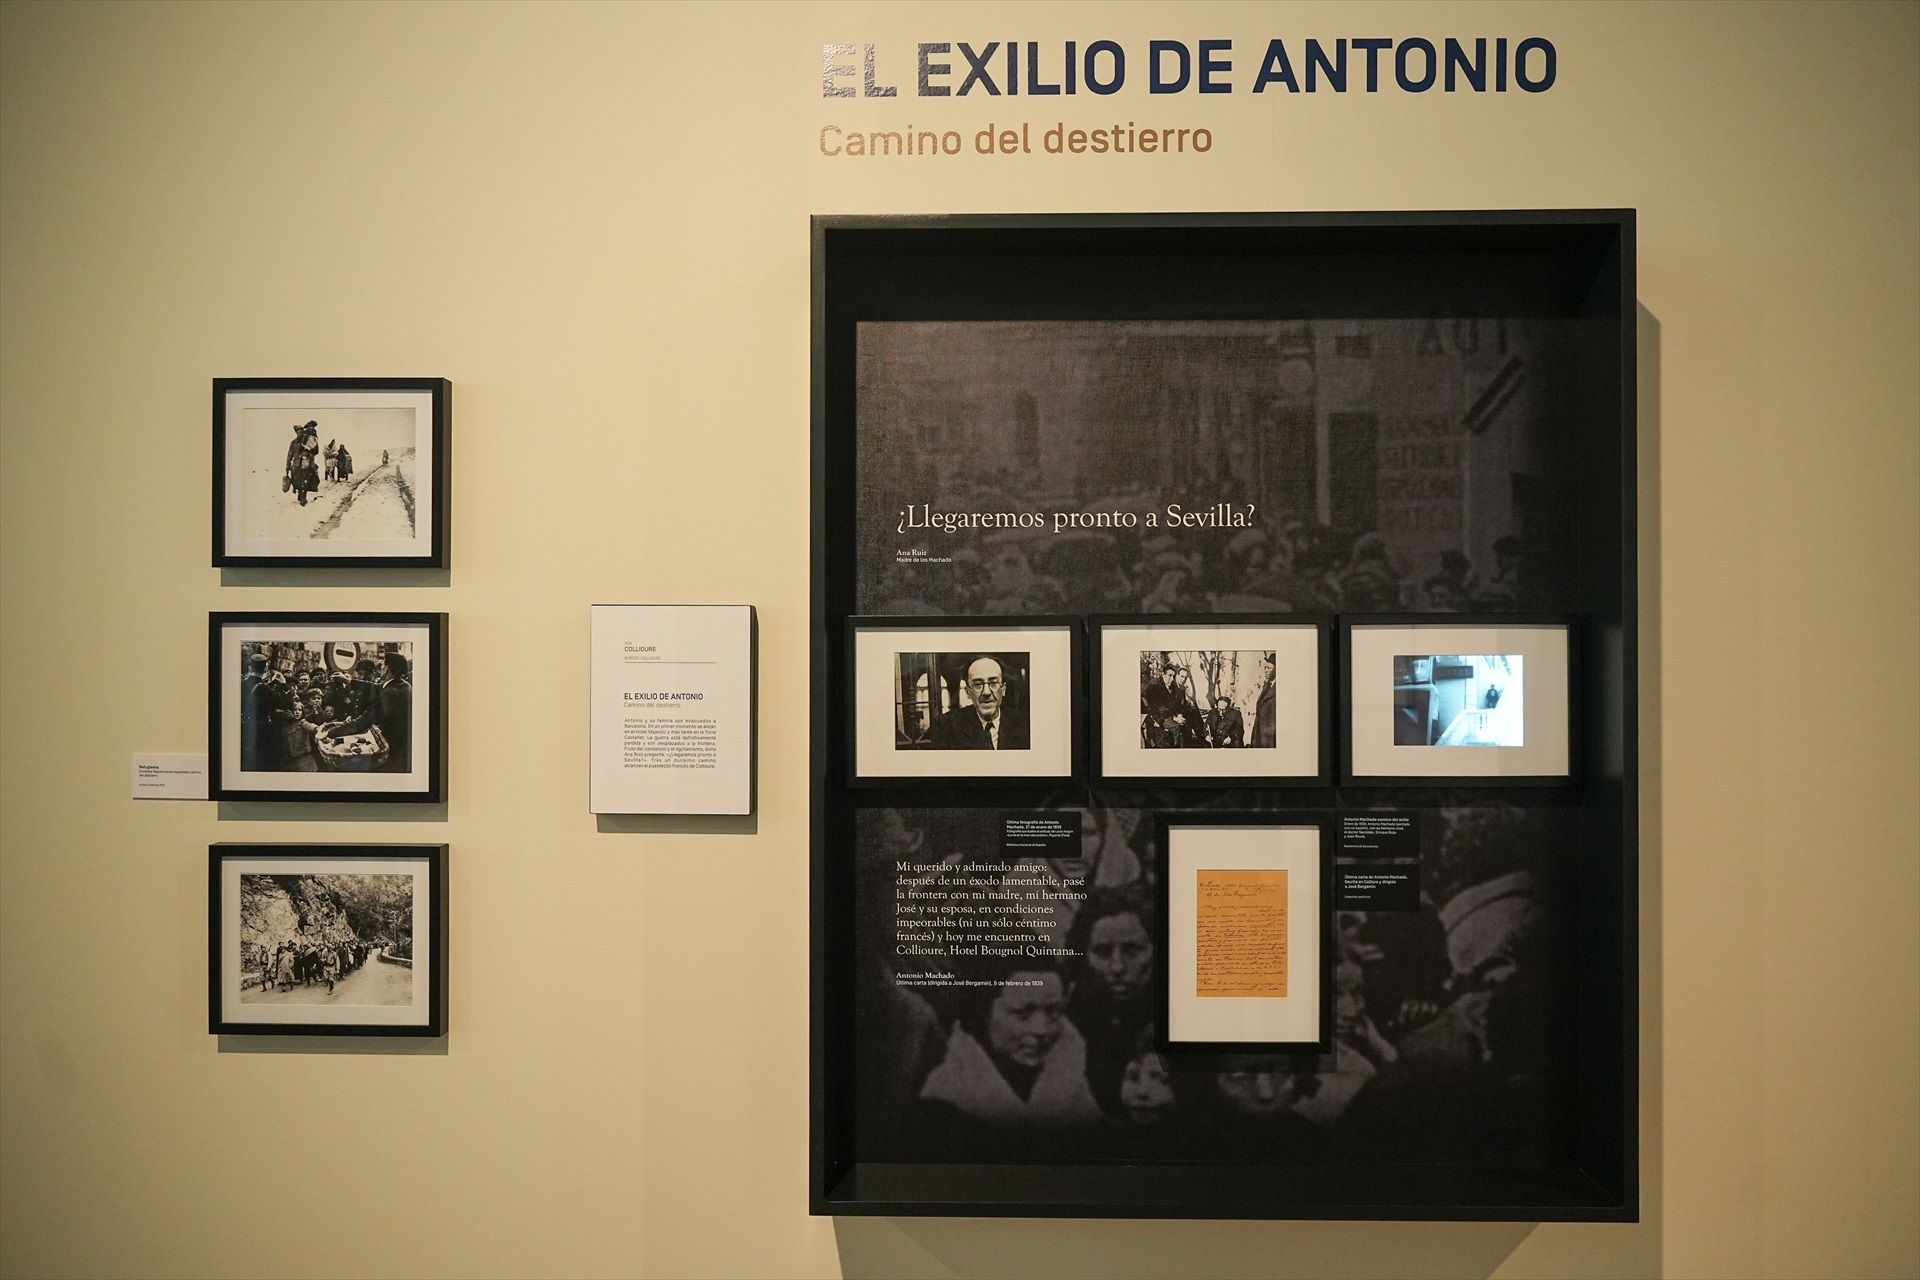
(1246, 904)
(1464, 700)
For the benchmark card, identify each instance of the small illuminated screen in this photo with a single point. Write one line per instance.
(1458, 700)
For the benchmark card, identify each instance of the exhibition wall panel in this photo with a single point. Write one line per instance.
(593, 221)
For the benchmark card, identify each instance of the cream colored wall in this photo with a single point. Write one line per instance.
(594, 221)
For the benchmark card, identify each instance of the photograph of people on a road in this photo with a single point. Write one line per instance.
(326, 939)
(328, 473)
(331, 472)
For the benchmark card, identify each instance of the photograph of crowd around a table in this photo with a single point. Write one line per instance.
(307, 706)
(315, 706)
(1030, 1029)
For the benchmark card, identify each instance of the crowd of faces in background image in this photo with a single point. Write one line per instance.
(1441, 1020)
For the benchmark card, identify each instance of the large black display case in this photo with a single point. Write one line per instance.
(1569, 274)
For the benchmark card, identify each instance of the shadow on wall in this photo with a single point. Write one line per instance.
(326, 811)
(691, 824)
(372, 1046)
(876, 1247)
(913, 1247)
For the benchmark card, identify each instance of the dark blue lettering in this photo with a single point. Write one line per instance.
(1474, 72)
(1317, 65)
(1211, 66)
(929, 69)
(1372, 45)
(1545, 81)
(1400, 59)
(1156, 83)
(1119, 56)
(977, 69)
(1275, 69)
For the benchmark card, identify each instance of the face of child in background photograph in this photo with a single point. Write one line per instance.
(1263, 1091)
(1146, 1090)
(1024, 1020)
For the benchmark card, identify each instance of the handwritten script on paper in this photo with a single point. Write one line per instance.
(1241, 933)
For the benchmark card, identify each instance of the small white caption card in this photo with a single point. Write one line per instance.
(169, 777)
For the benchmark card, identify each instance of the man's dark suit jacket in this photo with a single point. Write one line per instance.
(961, 730)
(1265, 725)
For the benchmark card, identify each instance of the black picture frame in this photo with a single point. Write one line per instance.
(433, 858)
(1077, 693)
(1096, 708)
(437, 520)
(1575, 265)
(435, 625)
(1567, 621)
(1190, 1053)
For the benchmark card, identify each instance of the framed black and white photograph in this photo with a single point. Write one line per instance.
(1246, 906)
(1212, 699)
(1438, 699)
(965, 698)
(330, 472)
(327, 940)
(326, 706)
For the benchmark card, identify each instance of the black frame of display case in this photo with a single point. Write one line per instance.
(1076, 677)
(1186, 1053)
(441, 391)
(1323, 676)
(433, 856)
(436, 626)
(1570, 623)
(1572, 264)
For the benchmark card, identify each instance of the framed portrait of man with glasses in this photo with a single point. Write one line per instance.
(967, 698)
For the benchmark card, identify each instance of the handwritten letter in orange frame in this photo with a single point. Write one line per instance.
(1241, 933)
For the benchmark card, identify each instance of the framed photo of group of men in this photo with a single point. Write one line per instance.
(1212, 698)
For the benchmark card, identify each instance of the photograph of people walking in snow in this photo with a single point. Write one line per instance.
(319, 475)
(324, 939)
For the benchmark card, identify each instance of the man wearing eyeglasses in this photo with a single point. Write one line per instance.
(989, 724)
